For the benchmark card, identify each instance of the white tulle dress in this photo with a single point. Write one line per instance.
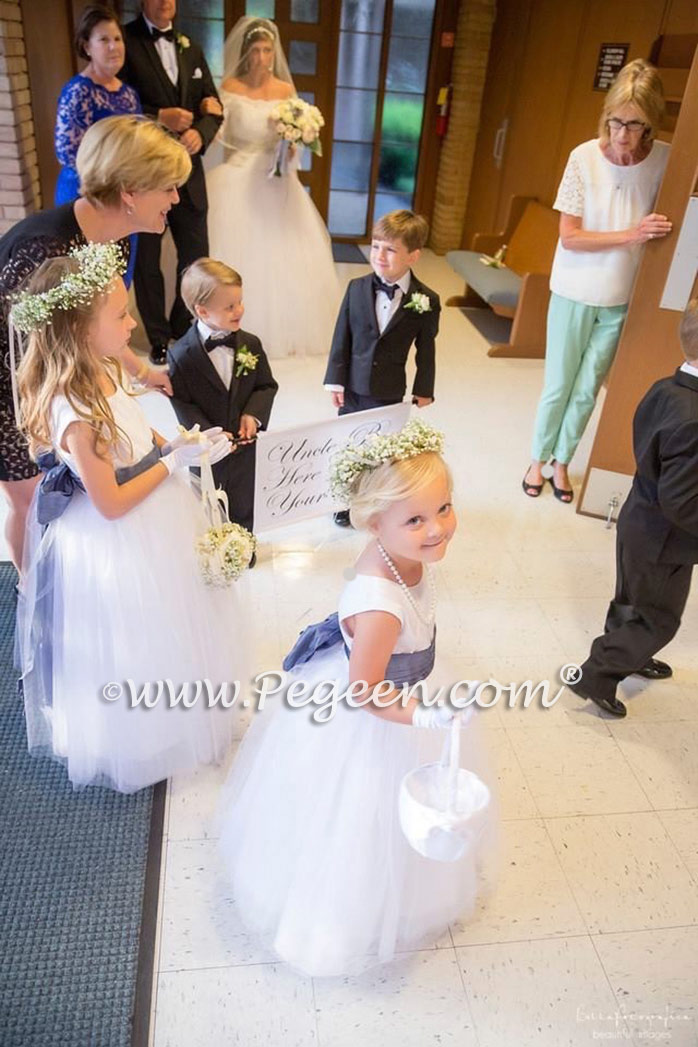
(104, 602)
(269, 229)
(309, 829)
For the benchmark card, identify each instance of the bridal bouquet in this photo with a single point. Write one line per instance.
(297, 122)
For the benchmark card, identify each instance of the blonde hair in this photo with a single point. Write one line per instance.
(412, 229)
(58, 361)
(688, 330)
(201, 280)
(638, 83)
(126, 154)
(375, 490)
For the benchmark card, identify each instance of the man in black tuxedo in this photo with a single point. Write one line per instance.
(382, 316)
(171, 76)
(221, 376)
(657, 535)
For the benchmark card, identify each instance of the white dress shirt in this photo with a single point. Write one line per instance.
(387, 307)
(689, 369)
(167, 49)
(222, 358)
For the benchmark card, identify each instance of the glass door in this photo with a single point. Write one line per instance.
(381, 82)
(365, 64)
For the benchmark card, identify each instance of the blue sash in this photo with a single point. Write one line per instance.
(59, 483)
(403, 669)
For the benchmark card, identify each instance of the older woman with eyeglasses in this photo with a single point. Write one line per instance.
(605, 201)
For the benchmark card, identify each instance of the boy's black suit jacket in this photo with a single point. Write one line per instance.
(144, 71)
(660, 515)
(200, 395)
(373, 364)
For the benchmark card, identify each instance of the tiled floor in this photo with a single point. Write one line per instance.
(591, 933)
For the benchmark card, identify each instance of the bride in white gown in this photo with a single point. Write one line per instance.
(268, 227)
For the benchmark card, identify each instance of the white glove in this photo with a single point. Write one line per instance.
(220, 447)
(186, 455)
(183, 438)
(439, 716)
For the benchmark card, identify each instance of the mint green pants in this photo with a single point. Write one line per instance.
(581, 344)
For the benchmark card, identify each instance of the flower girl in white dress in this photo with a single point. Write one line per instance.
(310, 834)
(111, 590)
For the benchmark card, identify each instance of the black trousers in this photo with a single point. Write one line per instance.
(354, 402)
(190, 234)
(643, 617)
(235, 474)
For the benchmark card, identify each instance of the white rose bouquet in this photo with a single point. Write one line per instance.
(297, 123)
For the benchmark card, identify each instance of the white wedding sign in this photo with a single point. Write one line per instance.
(292, 479)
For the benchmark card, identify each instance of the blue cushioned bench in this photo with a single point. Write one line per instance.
(520, 289)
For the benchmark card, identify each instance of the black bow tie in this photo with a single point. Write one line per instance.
(229, 339)
(166, 34)
(388, 289)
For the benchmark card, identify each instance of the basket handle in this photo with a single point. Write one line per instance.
(453, 765)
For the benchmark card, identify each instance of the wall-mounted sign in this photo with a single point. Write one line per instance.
(611, 60)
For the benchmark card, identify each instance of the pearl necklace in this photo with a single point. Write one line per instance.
(431, 617)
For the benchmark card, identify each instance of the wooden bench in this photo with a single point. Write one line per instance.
(520, 289)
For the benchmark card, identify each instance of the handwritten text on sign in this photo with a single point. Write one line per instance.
(292, 480)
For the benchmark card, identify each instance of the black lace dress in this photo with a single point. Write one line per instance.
(47, 234)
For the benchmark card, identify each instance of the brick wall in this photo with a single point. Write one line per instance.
(471, 53)
(19, 171)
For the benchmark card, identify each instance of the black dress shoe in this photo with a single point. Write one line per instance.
(609, 705)
(158, 354)
(655, 670)
(342, 518)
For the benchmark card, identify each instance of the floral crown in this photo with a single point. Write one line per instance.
(100, 264)
(414, 439)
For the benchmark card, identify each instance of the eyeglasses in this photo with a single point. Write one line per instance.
(634, 126)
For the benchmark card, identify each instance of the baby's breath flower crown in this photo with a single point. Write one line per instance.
(100, 264)
(415, 438)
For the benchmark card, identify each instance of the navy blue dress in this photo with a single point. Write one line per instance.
(82, 103)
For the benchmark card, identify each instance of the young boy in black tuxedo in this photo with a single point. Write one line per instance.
(381, 316)
(221, 376)
(657, 535)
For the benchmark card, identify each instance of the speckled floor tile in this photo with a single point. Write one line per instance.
(531, 898)
(537, 994)
(654, 975)
(417, 1000)
(259, 1006)
(577, 769)
(624, 872)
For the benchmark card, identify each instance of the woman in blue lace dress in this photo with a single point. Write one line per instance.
(94, 93)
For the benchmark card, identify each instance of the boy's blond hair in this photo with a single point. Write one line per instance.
(201, 280)
(412, 229)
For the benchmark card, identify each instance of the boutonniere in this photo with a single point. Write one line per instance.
(183, 42)
(245, 360)
(419, 303)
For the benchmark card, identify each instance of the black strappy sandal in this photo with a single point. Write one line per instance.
(531, 490)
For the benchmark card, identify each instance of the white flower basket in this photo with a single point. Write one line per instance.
(442, 807)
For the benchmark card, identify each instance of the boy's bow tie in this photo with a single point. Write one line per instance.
(213, 342)
(388, 289)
